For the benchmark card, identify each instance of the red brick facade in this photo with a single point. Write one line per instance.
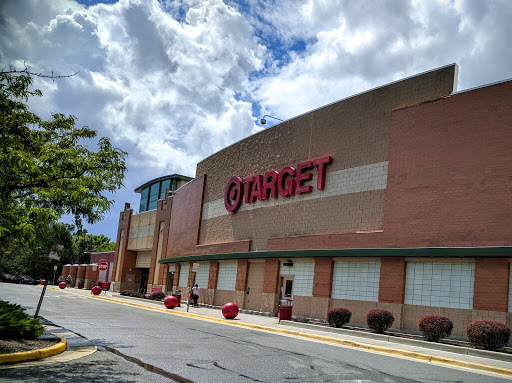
(270, 282)
(449, 171)
(491, 284)
(392, 280)
(322, 282)
(414, 167)
(185, 218)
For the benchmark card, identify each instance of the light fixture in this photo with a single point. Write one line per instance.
(263, 121)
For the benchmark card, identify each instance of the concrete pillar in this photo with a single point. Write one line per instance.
(73, 272)
(80, 275)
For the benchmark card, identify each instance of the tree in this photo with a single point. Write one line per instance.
(85, 244)
(46, 170)
(29, 255)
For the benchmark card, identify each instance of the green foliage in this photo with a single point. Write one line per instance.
(46, 170)
(85, 244)
(16, 324)
(29, 256)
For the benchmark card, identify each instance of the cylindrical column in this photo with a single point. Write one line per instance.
(89, 276)
(65, 271)
(80, 276)
(73, 271)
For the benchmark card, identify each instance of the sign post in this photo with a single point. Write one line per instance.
(94, 268)
(41, 299)
(195, 267)
(102, 274)
(54, 271)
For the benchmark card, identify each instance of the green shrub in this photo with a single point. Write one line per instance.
(435, 327)
(379, 320)
(339, 316)
(126, 292)
(16, 324)
(488, 334)
(136, 294)
(157, 295)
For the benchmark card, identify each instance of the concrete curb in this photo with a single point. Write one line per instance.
(322, 338)
(35, 354)
(413, 342)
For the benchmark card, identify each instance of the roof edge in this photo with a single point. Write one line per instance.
(416, 252)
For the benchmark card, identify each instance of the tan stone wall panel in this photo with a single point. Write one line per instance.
(354, 131)
(344, 213)
(253, 300)
(223, 296)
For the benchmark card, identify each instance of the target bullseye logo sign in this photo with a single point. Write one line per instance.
(234, 194)
(288, 182)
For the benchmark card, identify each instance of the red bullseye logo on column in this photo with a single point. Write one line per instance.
(233, 194)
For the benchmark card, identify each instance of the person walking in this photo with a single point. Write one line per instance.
(195, 294)
(68, 280)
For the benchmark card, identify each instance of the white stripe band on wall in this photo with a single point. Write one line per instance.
(142, 231)
(346, 181)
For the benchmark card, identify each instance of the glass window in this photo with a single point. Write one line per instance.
(152, 205)
(154, 189)
(166, 184)
(288, 288)
(144, 200)
(153, 198)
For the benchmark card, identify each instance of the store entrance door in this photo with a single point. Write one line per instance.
(286, 287)
(253, 294)
(144, 281)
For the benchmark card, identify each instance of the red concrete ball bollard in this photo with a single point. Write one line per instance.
(171, 302)
(62, 285)
(42, 281)
(96, 290)
(230, 310)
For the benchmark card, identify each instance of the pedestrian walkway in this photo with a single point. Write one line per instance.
(448, 355)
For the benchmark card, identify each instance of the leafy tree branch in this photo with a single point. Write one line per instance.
(46, 170)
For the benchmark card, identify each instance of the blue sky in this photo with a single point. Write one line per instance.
(172, 82)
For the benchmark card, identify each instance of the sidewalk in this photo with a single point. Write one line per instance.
(69, 348)
(454, 356)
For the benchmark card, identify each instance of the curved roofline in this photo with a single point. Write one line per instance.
(456, 74)
(170, 176)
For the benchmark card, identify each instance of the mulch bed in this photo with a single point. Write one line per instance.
(452, 342)
(9, 346)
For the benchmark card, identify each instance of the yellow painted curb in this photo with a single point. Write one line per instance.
(348, 343)
(35, 354)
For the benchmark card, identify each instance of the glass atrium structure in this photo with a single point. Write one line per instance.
(155, 189)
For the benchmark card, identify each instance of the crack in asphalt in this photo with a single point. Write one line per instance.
(149, 367)
(246, 342)
(242, 375)
(194, 366)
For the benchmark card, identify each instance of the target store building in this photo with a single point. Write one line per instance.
(398, 198)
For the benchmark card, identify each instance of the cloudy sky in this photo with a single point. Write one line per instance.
(174, 81)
